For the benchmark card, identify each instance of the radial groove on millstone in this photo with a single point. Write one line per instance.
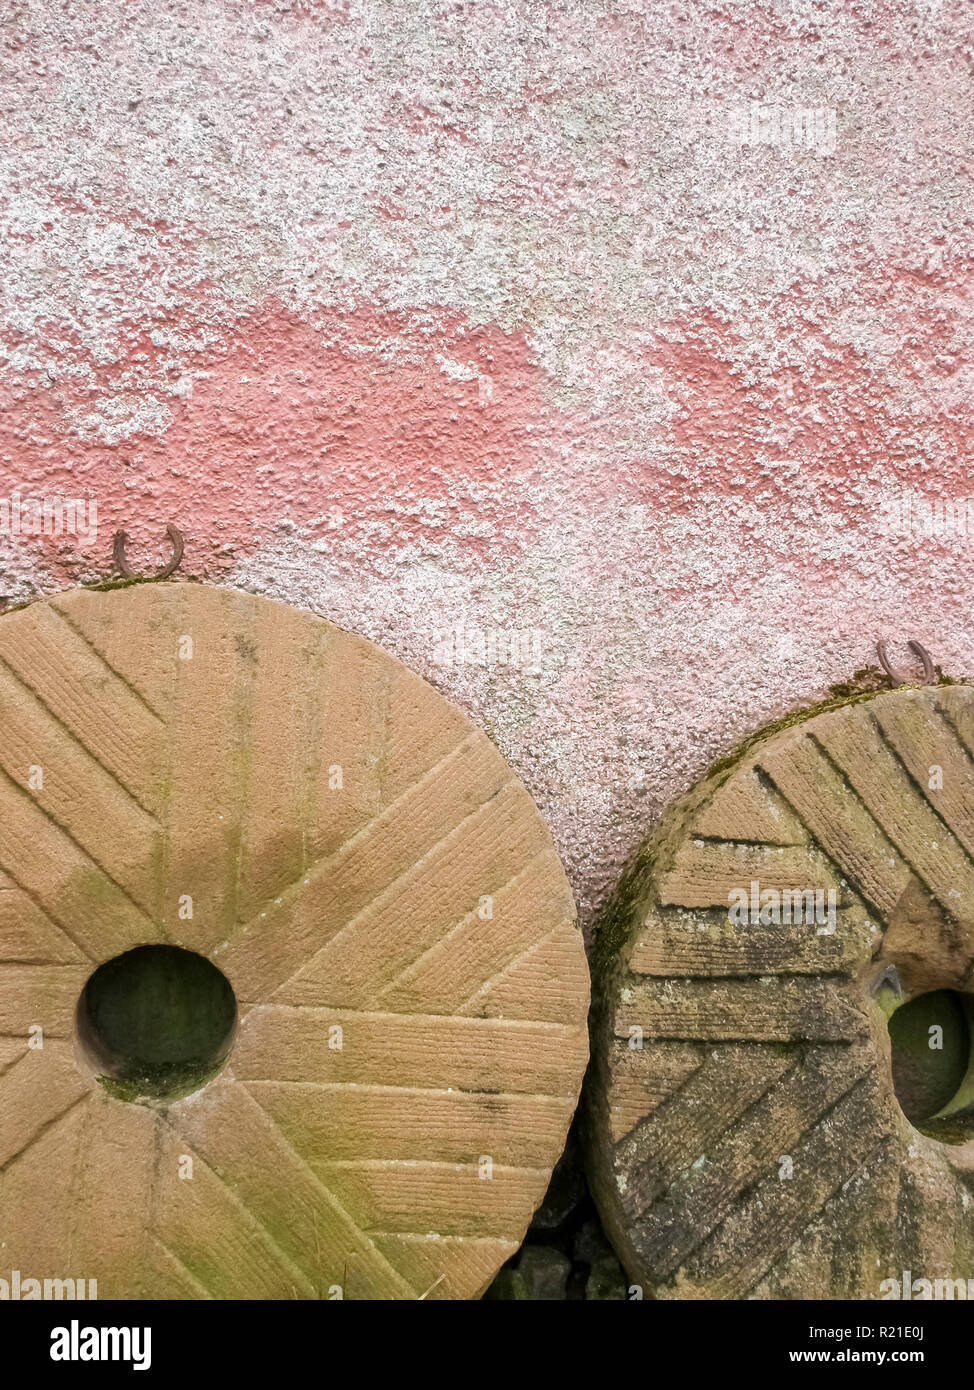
(232, 777)
(741, 1085)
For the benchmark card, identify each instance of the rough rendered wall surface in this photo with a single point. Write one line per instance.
(532, 318)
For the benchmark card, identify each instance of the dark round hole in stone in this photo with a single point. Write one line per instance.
(930, 1043)
(156, 1023)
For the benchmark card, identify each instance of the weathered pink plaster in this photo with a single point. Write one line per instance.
(364, 427)
(480, 314)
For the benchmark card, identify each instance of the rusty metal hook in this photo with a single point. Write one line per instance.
(929, 674)
(926, 661)
(176, 539)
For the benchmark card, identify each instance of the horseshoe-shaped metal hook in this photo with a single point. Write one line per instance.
(926, 661)
(175, 536)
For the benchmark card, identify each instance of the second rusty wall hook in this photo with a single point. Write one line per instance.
(897, 678)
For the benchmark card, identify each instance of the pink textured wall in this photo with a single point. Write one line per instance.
(498, 315)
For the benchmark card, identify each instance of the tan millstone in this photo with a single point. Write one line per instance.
(359, 857)
(743, 1134)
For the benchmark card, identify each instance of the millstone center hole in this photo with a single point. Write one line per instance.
(156, 1023)
(930, 1043)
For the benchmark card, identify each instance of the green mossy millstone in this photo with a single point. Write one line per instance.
(743, 1134)
(247, 782)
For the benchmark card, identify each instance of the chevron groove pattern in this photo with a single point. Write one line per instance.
(338, 827)
(741, 1086)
